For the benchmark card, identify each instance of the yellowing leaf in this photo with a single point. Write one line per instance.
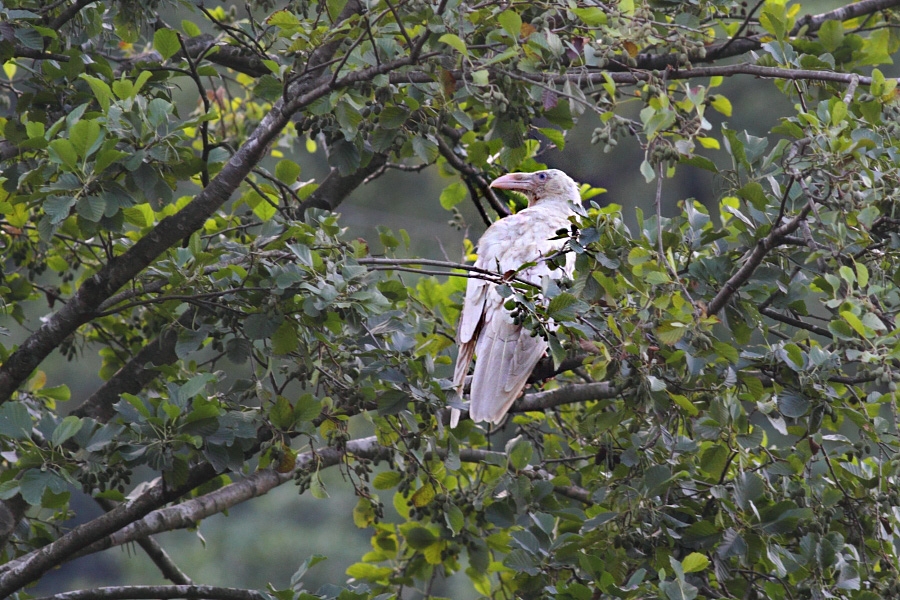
(423, 496)
(721, 104)
(708, 142)
(856, 324)
(363, 513)
(694, 562)
(9, 69)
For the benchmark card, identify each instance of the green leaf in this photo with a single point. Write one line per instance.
(32, 485)
(453, 194)
(455, 519)
(15, 422)
(86, 137)
(792, 404)
(285, 339)
(344, 156)
(856, 324)
(165, 41)
(287, 171)
(454, 41)
(831, 34)
(190, 28)
(59, 392)
(519, 451)
(592, 16)
(101, 91)
(721, 104)
(713, 460)
(419, 538)
(91, 208)
(386, 480)
(282, 414)
(679, 590)
(63, 152)
(511, 23)
(66, 429)
(425, 149)
(306, 408)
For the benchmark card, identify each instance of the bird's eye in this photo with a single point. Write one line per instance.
(542, 176)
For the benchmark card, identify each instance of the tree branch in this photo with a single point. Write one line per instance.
(135, 374)
(777, 316)
(335, 188)
(161, 592)
(19, 572)
(756, 257)
(189, 513)
(476, 176)
(68, 13)
(157, 553)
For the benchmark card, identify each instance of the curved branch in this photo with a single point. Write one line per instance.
(473, 174)
(69, 13)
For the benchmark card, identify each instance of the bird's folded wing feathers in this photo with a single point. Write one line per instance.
(509, 354)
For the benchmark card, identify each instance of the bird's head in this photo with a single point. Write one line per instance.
(551, 185)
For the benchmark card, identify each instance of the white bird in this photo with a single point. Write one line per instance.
(506, 352)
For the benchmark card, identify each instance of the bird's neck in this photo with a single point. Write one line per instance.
(555, 201)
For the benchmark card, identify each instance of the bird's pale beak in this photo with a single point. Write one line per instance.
(520, 182)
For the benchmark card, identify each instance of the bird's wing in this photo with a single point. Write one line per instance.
(491, 257)
(507, 353)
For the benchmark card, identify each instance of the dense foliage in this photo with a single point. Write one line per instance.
(717, 416)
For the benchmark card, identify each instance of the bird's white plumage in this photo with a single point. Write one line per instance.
(506, 353)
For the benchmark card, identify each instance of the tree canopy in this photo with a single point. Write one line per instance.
(717, 415)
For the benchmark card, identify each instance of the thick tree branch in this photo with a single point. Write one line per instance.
(153, 592)
(135, 374)
(567, 394)
(335, 188)
(756, 257)
(19, 572)
(157, 553)
(189, 513)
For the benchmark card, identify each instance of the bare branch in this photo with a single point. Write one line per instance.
(152, 592)
(471, 173)
(756, 257)
(336, 187)
(157, 553)
(19, 572)
(777, 316)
